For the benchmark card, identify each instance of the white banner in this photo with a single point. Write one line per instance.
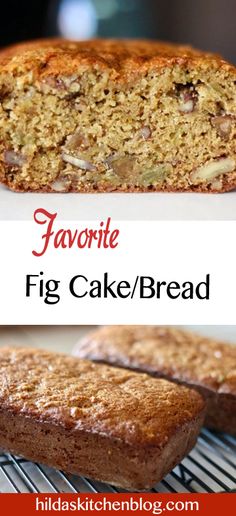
(156, 273)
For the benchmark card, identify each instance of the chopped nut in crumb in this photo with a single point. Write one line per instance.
(187, 99)
(77, 141)
(54, 83)
(223, 124)
(14, 159)
(213, 169)
(125, 167)
(78, 162)
(60, 185)
(145, 132)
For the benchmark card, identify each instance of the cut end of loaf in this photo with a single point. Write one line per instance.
(133, 121)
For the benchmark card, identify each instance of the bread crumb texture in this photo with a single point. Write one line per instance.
(112, 115)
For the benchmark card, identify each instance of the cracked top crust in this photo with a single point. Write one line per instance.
(165, 351)
(123, 57)
(82, 396)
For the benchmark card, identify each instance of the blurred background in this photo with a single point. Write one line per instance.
(208, 24)
(63, 338)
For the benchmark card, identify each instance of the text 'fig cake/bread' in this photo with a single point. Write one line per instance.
(174, 354)
(110, 115)
(108, 424)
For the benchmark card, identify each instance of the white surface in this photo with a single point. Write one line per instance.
(64, 338)
(152, 206)
(89, 281)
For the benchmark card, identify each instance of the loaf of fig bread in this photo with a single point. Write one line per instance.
(108, 424)
(110, 115)
(177, 355)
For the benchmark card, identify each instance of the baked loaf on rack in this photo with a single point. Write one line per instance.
(108, 424)
(177, 355)
(116, 116)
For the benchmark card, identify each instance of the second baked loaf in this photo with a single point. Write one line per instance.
(177, 355)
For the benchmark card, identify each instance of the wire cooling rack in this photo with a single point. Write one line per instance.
(209, 468)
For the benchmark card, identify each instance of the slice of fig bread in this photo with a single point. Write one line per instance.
(116, 116)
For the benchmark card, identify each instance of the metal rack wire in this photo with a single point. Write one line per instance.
(209, 468)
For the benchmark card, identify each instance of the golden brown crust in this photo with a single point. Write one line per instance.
(176, 355)
(125, 57)
(109, 424)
